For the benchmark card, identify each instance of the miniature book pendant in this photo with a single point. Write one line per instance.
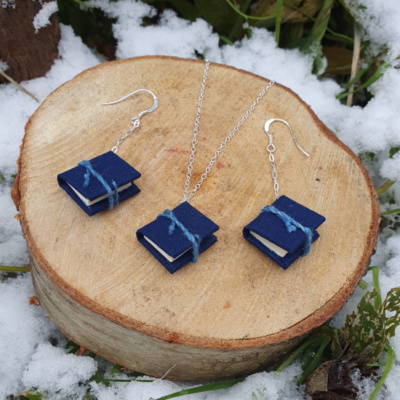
(284, 231)
(100, 183)
(177, 237)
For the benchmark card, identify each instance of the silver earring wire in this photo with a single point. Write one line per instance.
(135, 121)
(271, 149)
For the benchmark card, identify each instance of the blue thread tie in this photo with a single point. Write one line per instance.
(194, 239)
(112, 200)
(291, 225)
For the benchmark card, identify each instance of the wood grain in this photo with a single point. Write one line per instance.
(235, 310)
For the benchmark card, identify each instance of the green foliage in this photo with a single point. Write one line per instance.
(317, 33)
(321, 28)
(184, 8)
(90, 23)
(278, 18)
(33, 395)
(375, 76)
(393, 151)
(364, 330)
(364, 336)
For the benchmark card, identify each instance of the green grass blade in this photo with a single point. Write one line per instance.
(314, 363)
(225, 40)
(249, 16)
(391, 358)
(343, 4)
(306, 343)
(278, 18)
(395, 211)
(238, 22)
(338, 37)
(383, 188)
(377, 74)
(14, 269)
(200, 389)
(359, 74)
(334, 35)
(321, 22)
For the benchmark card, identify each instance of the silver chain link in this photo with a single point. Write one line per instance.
(271, 148)
(188, 196)
(135, 124)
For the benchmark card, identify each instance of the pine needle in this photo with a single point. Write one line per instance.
(11, 80)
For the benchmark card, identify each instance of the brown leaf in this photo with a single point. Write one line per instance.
(339, 60)
(34, 301)
(332, 380)
(266, 8)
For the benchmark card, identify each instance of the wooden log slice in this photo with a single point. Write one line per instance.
(234, 311)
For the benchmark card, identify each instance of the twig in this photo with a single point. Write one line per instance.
(356, 60)
(18, 85)
(168, 372)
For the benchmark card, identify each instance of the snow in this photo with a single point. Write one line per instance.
(260, 386)
(42, 18)
(32, 350)
(3, 66)
(22, 329)
(50, 369)
(380, 21)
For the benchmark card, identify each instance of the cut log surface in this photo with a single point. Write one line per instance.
(234, 311)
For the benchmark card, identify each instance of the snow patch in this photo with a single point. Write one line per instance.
(22, 328)
(51, 369)
(42, 18)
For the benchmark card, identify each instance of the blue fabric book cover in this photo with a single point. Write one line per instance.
(96, 191)
(168, 242)
(270, 234)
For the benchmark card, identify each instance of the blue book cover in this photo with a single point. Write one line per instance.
(93, 197)
(269, 233)
(173, 249)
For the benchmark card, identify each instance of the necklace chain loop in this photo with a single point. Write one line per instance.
(186, 195)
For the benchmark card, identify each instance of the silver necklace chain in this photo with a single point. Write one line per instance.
(271, 148)
(186, 195)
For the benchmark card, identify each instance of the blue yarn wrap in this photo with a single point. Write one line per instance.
(112, 199)
(193, 238)
(291, 225)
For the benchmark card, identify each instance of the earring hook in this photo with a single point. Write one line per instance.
(271, 149)
(266, 128)
(151, 109)
(135, 121)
